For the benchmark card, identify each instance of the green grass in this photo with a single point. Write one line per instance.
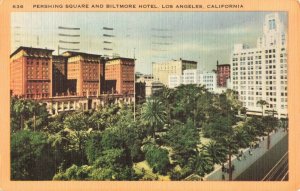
(148, 171)
(203, 139)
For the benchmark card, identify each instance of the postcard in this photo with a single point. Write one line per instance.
(149, 95)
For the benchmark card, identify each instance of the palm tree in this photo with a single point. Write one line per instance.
(231, 148)
(201, 163)
(168, 98)
(216, 151)
(270, 123)
(242, 137)
(21, 108)
(33, 107)
(251, 130)
(262, 103)
(232, 141)
(154, 114)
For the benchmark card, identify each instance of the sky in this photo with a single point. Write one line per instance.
(150, 37)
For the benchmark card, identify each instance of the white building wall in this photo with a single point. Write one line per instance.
(209, 80)
(174, 80)
(261, 73)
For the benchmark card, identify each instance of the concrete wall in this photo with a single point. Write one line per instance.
(248, 158)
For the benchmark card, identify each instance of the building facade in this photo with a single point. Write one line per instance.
(119, 76)
(223, 74)
(31, 73)
(175, 80)
(161, 71)
(209, 80)
(193, 76)
(260, 73)
(84, 73)
(59, 75)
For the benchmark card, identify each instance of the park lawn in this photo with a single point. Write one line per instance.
(204, 140)
(148, 171)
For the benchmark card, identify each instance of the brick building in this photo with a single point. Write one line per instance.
(36, 73)
(84, 73)
(59, 75)
(119, 75)
(31, 72)
(223, 74)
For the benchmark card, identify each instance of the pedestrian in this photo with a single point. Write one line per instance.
(223, 177)
(223, 167)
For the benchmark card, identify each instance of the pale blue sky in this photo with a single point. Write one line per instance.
(201, 36)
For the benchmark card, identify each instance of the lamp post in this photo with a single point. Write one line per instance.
(134, 104)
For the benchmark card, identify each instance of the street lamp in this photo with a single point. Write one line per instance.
(134, 99)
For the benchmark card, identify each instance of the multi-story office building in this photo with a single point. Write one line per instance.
(260, 73)
(83, 73)
(209, 80)
(119, 75)
(59, 75)
(223, 74)
(193, 76)
(31, 73)
(161, 71)
(175, 80)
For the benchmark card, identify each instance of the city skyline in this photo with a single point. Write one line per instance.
(197, 39)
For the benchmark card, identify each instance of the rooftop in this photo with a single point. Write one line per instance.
(72, 53)
(120, 58)
(30, 49)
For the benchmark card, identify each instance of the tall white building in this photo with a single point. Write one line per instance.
(209, 80)
(261, 73)
(194, 76)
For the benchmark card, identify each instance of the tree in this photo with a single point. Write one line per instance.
(232, 139)
(232, 97)
(270, 123)
(216, 151)
(93, 147)
(167, 98)
(113, 164)
(217, 127)
(30, 154)
(183, 139)
(29, 114)
(20, 108)
(74, 173)
(201, 163)
(262, 103)
(158, 158)
(38, 115)
(187, 97)
(76, 126)
(154, 114)
(231, 146)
